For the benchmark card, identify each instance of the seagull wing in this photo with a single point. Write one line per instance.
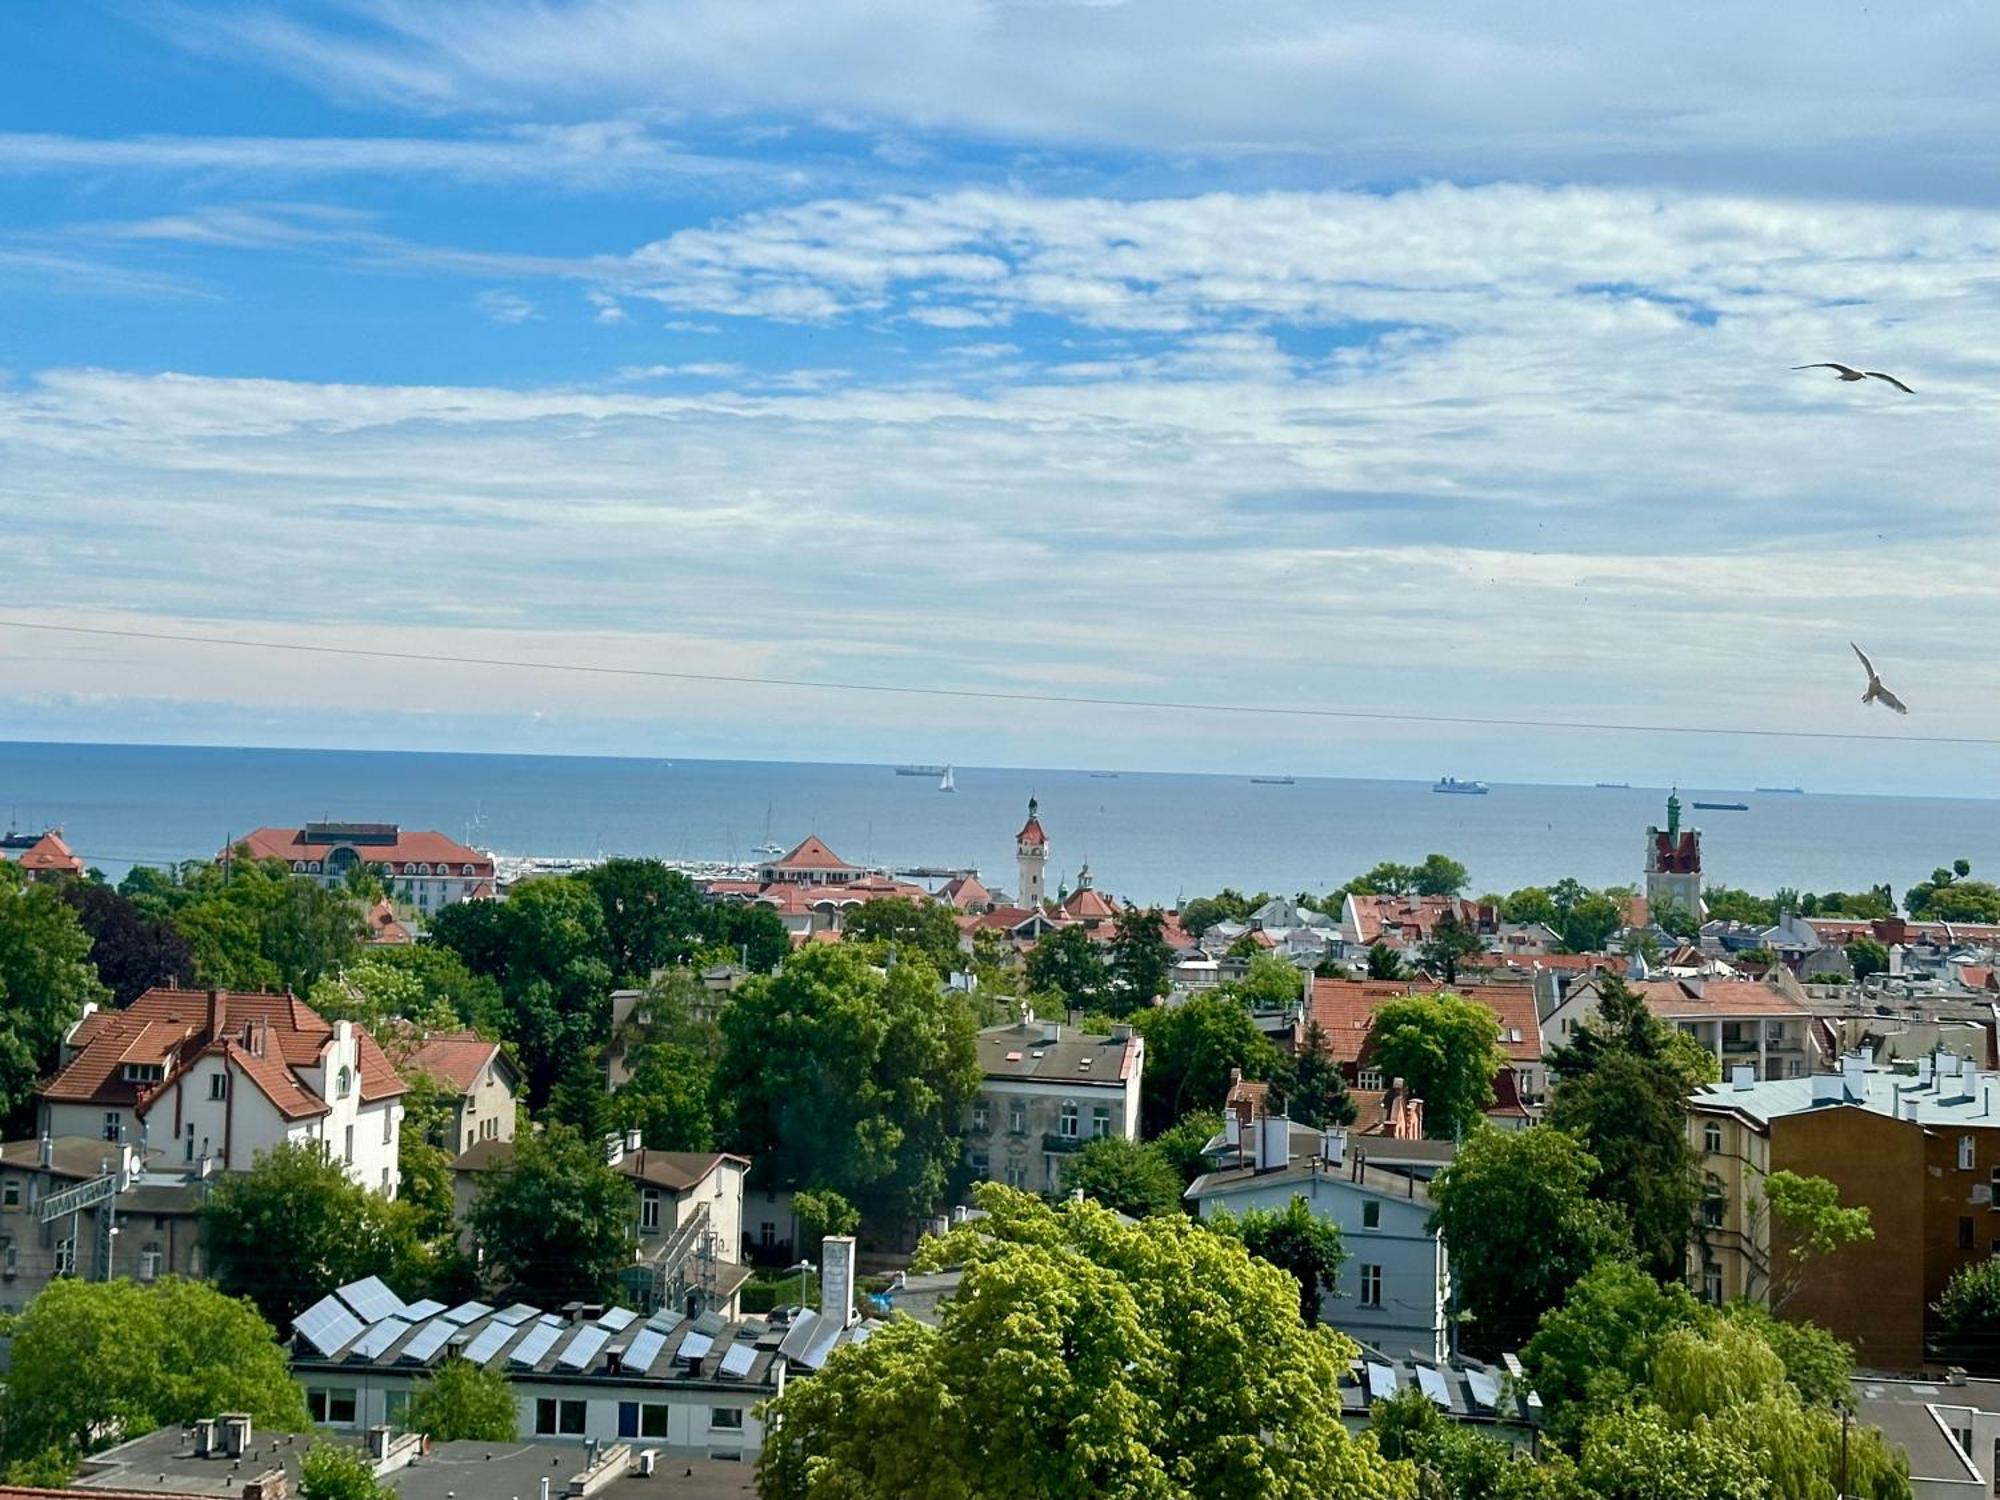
(1827, 364)
(1889, 700)
(1878, 375)
(1867, 665)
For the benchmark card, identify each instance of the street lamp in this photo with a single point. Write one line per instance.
(804, 1268)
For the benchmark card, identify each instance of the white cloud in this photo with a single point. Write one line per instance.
(609, 311)
(506, 307)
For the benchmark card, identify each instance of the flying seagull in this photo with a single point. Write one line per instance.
(1876, 692)
(1848, 372)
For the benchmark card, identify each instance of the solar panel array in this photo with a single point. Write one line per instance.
(582, 1349)
(737, 1362)
(416, 1312)
(1381, 1381)
(519, 1313)
(618, 1319)
(1431, 1382)
(1485, 1389)
(826, 1336)
(327, 1325)
(428, 1339)
(488, 1342)
(800, 1335)
(376, 1341)
(371, 1300)
(695, 1345)
(645, 1349)
(666, 1320)
(468, 1312)
(541, 1338)
(710, 1323)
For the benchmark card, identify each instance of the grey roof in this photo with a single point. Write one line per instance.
(1901, 1408)
(1941, 1101)
(1303, 1170)
(1018, 1050)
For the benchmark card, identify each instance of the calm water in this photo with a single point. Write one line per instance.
(1148, 836)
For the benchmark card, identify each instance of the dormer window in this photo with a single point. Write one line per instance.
(143, 1072)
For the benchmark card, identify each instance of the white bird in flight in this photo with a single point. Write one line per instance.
(1876, 692)
(1848, 372)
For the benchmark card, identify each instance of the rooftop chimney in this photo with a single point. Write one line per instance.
(204, 1437)
(235, 1433)
(634, 1139)
(614, 1149)
(1333, 1145)
(1741, 1076)
(1826, 1088)
(378, 1443)
(1274, 1143)
(45, 1153)
(218, 1013)
(1854, 1078)
(1051, 1032)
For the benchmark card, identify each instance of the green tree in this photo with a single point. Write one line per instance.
(1950, 896)
(332, 1229)
(1451, 942)
(1438, 875)
(1268, 984)
(1594, 1352)
(1726, 904)
(424, 1183)
(1447, 1049)
(130, 950)
(1817, 1364)
(45, 981)
(463, 1402)
(653, 917)
(1638, 1454)
(915, 929)
(1384, 962)
(554, 1222)
(98, 1359)
(1520, 1211)
(1807, 1223)
(840, 1076)
(1141, 962)
(1295, 1240)
(1968, 1314)
(1181, 1142)
(669, 1097)
(1317, 1093)
(1386, 879)
(1082, 1357)
(821, 1212)
(334, 1471)
(1866, 956)
(754, 936)
(1126, 1176)
(1530, 904)
(1190, 1050)
(1226, 905)
(1587, 926)
(1066, 962)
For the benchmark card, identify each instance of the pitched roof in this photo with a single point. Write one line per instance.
(1031, 832)
(1088, 904)
(1345, 1010)
(1677, 999)
(1018, 1050)
(456, 1057)
(381, 844)
(677, 1171)
(384, 926)
(1406, 919)
(965, 891)
(50, 854)
(811, 854)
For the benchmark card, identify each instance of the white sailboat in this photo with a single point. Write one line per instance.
(946, 784)
(767, 847)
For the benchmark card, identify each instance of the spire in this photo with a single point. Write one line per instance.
(1674, 813)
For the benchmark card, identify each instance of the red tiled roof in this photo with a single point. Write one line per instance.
(1031, 832)
(384, 926)
(411, 846)
(811, 854)
(1406, 919)
(1088, 905)
(279, 1083)
(966, 891)
(52, 855)
(1676, 999)
(457, 1057)
(1345, 1010)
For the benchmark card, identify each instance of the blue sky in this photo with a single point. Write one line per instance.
(1407, 359)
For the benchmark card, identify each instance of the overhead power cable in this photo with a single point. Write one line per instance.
(997, 695)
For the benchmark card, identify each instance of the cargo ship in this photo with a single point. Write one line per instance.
(1460, 788)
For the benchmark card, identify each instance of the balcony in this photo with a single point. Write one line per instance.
(1062, 1144)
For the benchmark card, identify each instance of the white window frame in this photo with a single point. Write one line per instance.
(649, 1211)
(1368, 1278)
(149, 1263)
(982, 1116)
(1017, 1117)
(1711, 1138)
(725, 1418)
(1966, 1149)
(1369, 1079)
(1069, 1120)
(66, 1257)
(112, 1125)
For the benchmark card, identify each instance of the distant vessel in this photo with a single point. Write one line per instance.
(1780, 791)
(1103, 775)
(1461, 788)
(945, 783)
(767, 847)
(1615, 786)
(1722, 806)
(1272, 781)
(921, 770)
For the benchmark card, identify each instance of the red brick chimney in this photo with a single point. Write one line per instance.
(218, 1013)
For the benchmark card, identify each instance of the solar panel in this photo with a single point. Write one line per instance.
(1381, 1382)
(694, 1346)
(488, 1342)
(1485, 1389)
(800, 1335)
(1513, 1366)
(327, 1325)
(666, 1320)
(371, 1300)
(645, 1349)
(710, 1323)
(416, 1312)
(618, 1318)
(541, 1338)
(737, 1362)
(862, 1334)
(583, 1348)
(468, 1312)
(1431, 1382)
(824, 1339)
(429, 1339)
(376, 1341)
(519, 1313)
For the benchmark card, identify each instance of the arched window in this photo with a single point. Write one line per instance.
(343, 1084)
(298, 867)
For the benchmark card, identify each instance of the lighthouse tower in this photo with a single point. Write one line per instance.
(1031, 857)
(1673, 865)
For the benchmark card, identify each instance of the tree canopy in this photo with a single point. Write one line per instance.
(1141, 963)
(295, 1226)
(1190, 1049)
(45, 981)
(463, 1401)
(1522, 1216)
(1293, 1239)
(1082, 1357)
(554, 1222)
(840, 1076)
(1950, 895)
(915, 929)
(127, 1357)
(1130, 1177)
(1447, 1049)
(1067, 963)
(335, 1471)
(131, 951)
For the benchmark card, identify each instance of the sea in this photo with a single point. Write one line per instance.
(1144, 836)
